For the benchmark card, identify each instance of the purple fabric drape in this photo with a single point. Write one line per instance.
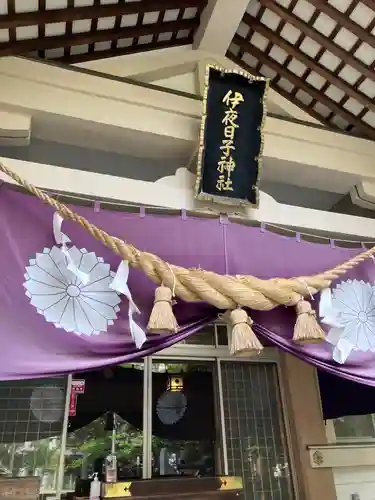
(31, 347)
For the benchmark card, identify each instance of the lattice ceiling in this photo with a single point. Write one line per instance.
(73, 31)
(319, 54)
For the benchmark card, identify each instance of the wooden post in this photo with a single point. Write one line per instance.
(306, 423)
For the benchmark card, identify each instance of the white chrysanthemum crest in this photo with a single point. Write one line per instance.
(349, 311)
(84, 307)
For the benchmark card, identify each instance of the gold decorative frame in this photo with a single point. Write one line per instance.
(214, 198)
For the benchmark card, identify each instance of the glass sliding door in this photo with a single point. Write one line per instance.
(109, 417)
(184, 430)
(254, 430)
(167, 416)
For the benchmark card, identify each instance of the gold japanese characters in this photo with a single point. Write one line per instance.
(227, 164)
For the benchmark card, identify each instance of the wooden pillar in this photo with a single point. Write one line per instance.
(306, 424)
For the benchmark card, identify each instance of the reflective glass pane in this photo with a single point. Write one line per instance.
(354, 426)
(205, 336)
(255, 433)
(108, 418)
(183, 419)
(31, 416)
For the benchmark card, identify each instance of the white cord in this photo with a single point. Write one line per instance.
(307, 287)
(174, 279)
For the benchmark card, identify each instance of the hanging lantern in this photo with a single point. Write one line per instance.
(175, 384)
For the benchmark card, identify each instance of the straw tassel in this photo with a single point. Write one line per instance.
(244, 341)
(162, 319)
(307, 330)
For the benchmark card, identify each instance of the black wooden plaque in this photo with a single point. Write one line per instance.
(231, 137)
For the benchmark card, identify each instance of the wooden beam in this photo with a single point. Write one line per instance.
(166, 62)
(70, 14)
(164, 118)
(309, 89)
(122, 51)
(295, 53)
(54, 42)
(12, 11)
(344, 21)
(319, 38)
(15, 128)
(218, 24)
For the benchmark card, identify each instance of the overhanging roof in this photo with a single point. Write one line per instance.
(319, 54)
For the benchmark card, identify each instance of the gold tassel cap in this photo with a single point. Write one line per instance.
(244, 341)
(162, 319)
(307, 329)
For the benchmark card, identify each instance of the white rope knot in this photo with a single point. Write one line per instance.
(304, 307)
(239, 316)
(163, 294)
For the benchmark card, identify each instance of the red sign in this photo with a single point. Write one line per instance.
(73, 404)
(77, 387)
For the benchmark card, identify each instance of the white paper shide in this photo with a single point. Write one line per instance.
(72, 291)
(349, 311)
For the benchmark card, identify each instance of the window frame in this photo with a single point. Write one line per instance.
(189, 351)
(333, 439)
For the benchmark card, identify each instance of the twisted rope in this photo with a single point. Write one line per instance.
(194, 285)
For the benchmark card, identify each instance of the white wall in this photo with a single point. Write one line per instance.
(355, 480)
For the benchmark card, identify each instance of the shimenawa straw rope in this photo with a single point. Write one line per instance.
(222, 291)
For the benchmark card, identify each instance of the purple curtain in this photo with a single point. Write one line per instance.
(31, 347)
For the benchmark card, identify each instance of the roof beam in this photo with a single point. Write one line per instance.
(164, 65)
(169, 123)
(246, 46)
(70, 14)
(288, 16)
(147, 67)
(344, 21)
(218, 24)
(15, 128)
(99, 55)
(54, 42)
(161, 64)
(260, 28)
